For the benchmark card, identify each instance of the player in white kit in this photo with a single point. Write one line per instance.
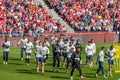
(47, 45)
(100, 61)
(89, 52)
(65, 47)
(5, 45)
(111, 52)
(38, 56)
(28, 47)
(43, 52)
(71, 49)
(94, 50)
(24, 40)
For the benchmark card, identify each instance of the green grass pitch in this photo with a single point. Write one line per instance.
(17, 70)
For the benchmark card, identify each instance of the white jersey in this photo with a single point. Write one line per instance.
(101, 56)
(36, 43)
(70, 51)
(111, 53)
(37, 51)
(94, 47)
(24, 41)
(47, 44)
(44, 51)
(6, 45)
(29, 47)
(53, 40)
(65, 47)
(89, 50)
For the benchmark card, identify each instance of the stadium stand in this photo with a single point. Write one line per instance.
(89, 15)
(20, 17)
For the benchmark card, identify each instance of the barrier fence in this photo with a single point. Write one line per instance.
(99, 37)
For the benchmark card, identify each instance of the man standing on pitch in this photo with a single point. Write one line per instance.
(56, 55)
(100, 61)
(24, 40)
(76, 63)
(6, 46)
(110, 53)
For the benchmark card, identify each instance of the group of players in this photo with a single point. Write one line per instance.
(66, 52)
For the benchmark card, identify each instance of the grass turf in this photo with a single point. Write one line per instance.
(17, 70)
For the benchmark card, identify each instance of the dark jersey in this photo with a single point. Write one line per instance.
(56, 50)
(78, 46)
(76, 57)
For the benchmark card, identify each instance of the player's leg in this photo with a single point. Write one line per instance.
(67, 65)
(43, 63)
(26, 58)
(29, 54)
(42, 68)
(22, 51)
(54, 63)
(7, 53)
(90, 60)
(38, 63)
(72, 71)
(98, 70)
(64, 58)
(111, 62)
(80, 72)
(58, 65)
(3, 57)
(69, 60)
(102, 68)
(110, 67)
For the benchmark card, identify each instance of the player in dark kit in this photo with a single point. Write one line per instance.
(78, 45)
(56, 55)
(76, 63)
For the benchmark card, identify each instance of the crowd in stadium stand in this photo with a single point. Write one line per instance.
(18, 17)
(89, 15)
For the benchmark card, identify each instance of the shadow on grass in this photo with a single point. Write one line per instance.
(15, 59)
(50, 71)
(59, 77)
(15, 63)
(26, 71)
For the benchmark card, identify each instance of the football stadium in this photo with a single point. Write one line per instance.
(59, 39)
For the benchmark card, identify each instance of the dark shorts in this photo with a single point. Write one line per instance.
(23, 48)
(43, 60)
(69, 60)
(38, 59)
(64, 54)
(110, 62)
(56, 58)
(76, 65)
(28, 54)
(89, 57)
